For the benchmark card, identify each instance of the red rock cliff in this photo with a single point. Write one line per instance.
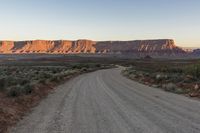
(165, 46)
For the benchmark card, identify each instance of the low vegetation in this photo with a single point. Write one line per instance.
(24, 82)
(23, 85)
(21, 80)
(180, 77)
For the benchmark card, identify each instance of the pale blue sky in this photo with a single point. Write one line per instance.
(101, 20)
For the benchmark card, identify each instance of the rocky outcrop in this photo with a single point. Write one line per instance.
(196, 53)
(157, 47)
(139, 46)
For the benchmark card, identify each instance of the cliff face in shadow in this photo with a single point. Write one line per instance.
(157, 47)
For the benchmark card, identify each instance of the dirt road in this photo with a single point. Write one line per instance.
(106, 102)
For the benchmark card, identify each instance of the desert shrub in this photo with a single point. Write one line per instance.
(10, 81)
(42, 81)
(130, 71)
(2, 84)
(37, 72)
(193, 70)
(132, 76)
(169, 87)
(44, 75)
(85, 65)
(175, 78)
(54, 79)
(169, 69)
(181, 91)
(84, 69)
(24, 82)
(27, 89)
(159, 78)
(60, 76)
(18, 90)
(14, 91)
(81, 65)
(55, 70)
(76, 67)
(98, 65)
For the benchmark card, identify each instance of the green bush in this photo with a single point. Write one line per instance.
(54, 79)
(18, 90)
(169, 69)
(44, 75)
(27, 89)
(193, 70)
(2, 84)
(84, 69)
(81, 65)
(10, 81)
(24, 82)
(98, 65)
(14, 91)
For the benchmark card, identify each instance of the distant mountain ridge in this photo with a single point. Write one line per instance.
(162, 47)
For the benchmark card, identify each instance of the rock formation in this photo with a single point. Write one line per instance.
(196, 53)
(155, 47)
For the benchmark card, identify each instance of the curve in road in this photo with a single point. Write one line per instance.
(106, 102)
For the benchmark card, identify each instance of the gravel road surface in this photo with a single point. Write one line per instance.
(106, 102)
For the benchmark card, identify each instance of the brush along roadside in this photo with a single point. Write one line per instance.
(22, 88)
(180, 80)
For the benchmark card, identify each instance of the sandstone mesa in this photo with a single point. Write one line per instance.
(163, 46)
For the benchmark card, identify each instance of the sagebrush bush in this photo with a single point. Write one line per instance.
(18, 90)
(14, 91)
(53, 79)
(2, 83)
(98, 65)
(27, 89)
(10, 81)
(24, 82)
(42, 81)
(171, 87)
(82, 65)
(168, 69)
(84, 69)
(193, 70)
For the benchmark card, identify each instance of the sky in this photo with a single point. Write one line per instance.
(101, 20)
